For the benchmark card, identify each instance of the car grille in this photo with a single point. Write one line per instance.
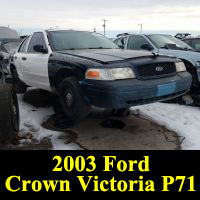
(156, 70)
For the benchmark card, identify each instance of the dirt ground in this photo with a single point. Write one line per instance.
(101, 131)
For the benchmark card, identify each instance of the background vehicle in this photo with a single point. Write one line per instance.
(194, 42)
(9, 110)
(166, 45)
(9, 42)
(86, 69)
(182, 36)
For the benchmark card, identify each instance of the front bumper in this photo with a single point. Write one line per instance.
(132, 92)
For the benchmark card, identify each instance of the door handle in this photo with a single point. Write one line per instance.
(24, 58)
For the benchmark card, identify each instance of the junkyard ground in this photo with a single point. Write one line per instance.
(99, 131)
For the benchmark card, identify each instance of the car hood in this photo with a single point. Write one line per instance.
(106, 55)
(191, 56)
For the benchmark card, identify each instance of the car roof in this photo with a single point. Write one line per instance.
(127, 34)
(70, 30)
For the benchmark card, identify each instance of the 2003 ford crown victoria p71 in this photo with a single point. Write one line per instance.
(86, 69)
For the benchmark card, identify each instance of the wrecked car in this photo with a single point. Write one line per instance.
(84, 69)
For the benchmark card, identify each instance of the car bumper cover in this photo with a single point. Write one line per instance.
(133, 92)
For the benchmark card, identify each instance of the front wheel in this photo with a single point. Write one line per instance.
(72, 99)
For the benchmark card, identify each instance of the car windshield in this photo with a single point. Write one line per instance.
(168, 41)
(11, 47)
(66, 40)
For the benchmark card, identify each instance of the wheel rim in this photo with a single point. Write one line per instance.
(69, 98)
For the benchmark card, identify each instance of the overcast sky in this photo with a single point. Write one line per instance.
(87, 14)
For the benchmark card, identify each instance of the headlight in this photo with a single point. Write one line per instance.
(110, 74)
(180, 67)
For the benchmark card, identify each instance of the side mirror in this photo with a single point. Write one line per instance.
(1, 57)
(40, 49)
(147, 47)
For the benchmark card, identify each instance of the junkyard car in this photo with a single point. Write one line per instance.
(86, 69)
(166, 45)
(9, 114)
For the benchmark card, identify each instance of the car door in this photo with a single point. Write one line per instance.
(35, 66)
(19, 58)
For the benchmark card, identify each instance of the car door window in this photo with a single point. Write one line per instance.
(24, 45)
(136, 42)
(187, 42)
(37, 39)
(121, 42)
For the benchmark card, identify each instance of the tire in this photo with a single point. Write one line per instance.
(9, 115)
(20, 87)
(72, 100)
(123, 112)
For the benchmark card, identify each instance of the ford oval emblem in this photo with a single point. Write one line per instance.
(159, 69)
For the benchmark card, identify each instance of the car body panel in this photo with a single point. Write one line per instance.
(33, 67)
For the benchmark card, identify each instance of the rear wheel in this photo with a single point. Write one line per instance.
(20, 87)
(72, 99)
(9, 115)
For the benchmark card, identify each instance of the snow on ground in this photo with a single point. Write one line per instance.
(184, 120)
(31, 119)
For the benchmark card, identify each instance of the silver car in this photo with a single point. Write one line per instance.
(166, 45)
